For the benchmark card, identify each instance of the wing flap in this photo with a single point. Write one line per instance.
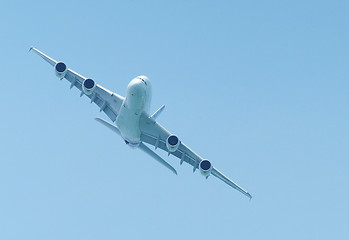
(107, 101)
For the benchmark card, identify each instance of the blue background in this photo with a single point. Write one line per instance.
(258, 87)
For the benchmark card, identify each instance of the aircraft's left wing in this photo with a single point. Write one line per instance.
(107, 101)
(154, 134)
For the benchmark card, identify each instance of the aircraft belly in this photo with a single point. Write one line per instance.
(136, 102)
(128, 124)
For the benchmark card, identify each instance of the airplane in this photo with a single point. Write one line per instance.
(133, 121)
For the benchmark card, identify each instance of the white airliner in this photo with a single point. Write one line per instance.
(133, 121)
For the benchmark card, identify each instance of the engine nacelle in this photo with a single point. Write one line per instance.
(172, 143)
(88, 86)
(205, 167)
(61, 69)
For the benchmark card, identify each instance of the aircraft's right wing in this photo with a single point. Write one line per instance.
(154, 134)
(107, 101)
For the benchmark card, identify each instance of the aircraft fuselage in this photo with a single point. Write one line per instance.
(136, 102)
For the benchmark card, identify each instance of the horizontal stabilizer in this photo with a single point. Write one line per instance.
(108, 125)
(147, 150)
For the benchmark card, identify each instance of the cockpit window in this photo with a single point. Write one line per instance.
(143, 81)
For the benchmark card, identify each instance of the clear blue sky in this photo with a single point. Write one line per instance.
(258, 87)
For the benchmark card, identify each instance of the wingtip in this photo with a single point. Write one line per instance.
(30, 48)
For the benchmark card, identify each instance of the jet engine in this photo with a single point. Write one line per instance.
(172, 143)
(88, 85)
(61, 69)
(205, 167)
